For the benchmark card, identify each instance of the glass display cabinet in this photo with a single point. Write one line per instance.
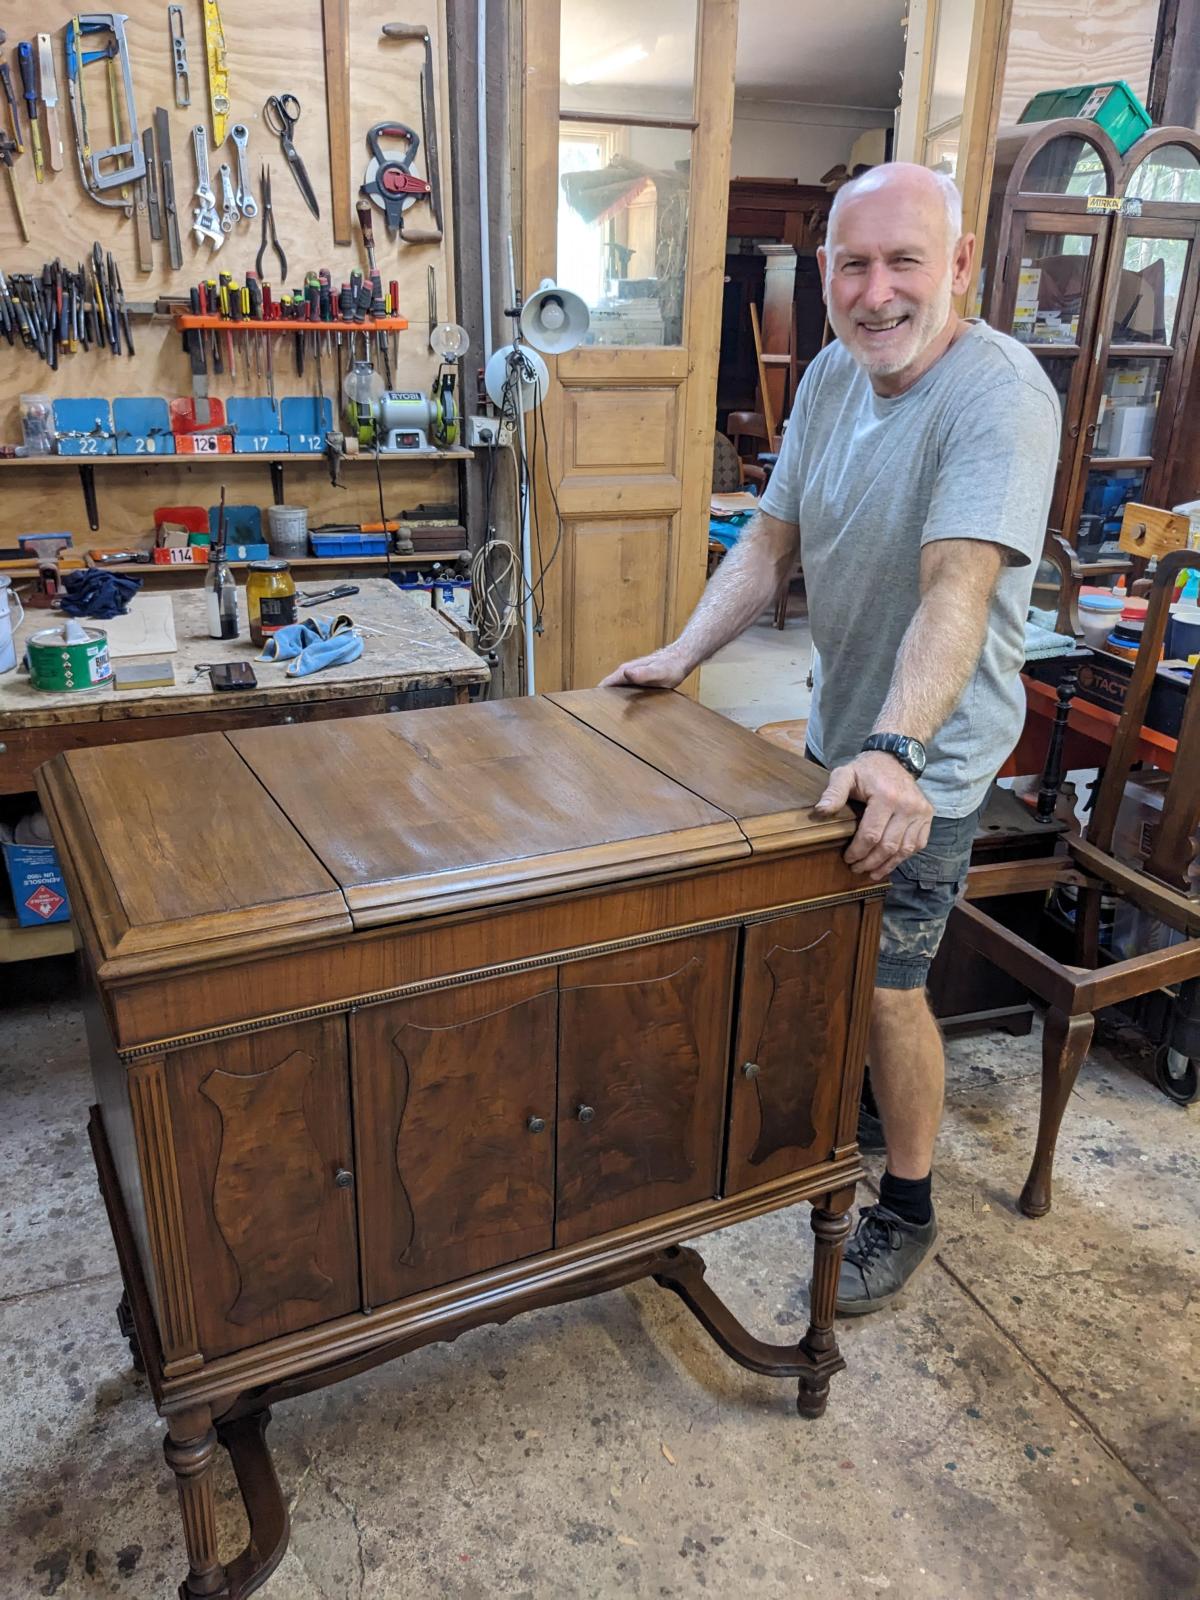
(1090, 260)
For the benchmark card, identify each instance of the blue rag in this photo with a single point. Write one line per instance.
(312, 644)
(336, 651)
(287, 643)
(97, 594)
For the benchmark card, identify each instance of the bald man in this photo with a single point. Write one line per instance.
(914, 482)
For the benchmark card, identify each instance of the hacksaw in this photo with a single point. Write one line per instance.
(123, 162)
(218, 72)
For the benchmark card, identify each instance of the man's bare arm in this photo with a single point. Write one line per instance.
(943, 642)
(937, 657)
(745, 583)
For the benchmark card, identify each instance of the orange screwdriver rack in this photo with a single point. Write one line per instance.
(185, 321)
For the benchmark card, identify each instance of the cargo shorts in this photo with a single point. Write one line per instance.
(919, 900)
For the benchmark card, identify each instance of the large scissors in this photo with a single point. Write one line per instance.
(281, 114)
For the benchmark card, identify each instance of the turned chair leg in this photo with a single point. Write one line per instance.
(190, 1447)
(830, 1227)
(1065, 1042)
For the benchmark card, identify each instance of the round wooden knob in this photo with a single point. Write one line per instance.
(343, 1179)
(536, 1124)
(585, 1113)
(750, 1069)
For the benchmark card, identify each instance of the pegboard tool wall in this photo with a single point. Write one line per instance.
(272, 47)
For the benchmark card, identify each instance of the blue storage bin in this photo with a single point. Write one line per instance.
(348, 544)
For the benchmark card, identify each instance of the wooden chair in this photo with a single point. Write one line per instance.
(1169, 889)
(1145, 531)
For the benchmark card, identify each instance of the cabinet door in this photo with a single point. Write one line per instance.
(262, 1130)
(454, 1110)
(793, 1024)
(643, 1046)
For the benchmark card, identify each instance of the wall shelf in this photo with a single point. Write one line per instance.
(275, 462)
(280, 457)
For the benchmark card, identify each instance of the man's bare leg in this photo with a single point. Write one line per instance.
(908, 1075)
(894, 1238)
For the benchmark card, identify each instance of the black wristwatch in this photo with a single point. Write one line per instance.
(910, 753)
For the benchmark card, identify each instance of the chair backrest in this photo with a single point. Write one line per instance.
(1173, 859)
(727, 466)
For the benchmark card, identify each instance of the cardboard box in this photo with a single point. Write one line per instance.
(1131, 429)
(39, 892)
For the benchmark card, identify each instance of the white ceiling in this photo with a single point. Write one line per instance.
(819, 51)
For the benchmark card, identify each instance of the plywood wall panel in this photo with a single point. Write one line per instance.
(1057, 43)
(274, 46)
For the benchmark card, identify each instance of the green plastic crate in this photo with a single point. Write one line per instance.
(1114, 106)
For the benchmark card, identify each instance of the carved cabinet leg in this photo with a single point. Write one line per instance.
(830, 1225)
(190, 1447)
(1065, 1043)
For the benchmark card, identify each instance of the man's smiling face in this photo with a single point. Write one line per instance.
(891, 269)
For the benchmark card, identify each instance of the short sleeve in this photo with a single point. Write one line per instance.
(996, 472)
(781, 497)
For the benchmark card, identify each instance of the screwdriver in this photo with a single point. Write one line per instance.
(234, 302)
(225, 279)
(25, 57)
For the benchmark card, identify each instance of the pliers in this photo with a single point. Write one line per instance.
(268, 220)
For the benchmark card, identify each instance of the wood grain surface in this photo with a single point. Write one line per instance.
(453, 1179)
(1053, 44)
(177, 841)
(767, 790)
(261, 1127)
(478, 802)
(643, 1051)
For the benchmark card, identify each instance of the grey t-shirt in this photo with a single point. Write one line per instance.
(968, 452)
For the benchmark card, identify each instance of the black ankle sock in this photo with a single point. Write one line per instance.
(910, 1198)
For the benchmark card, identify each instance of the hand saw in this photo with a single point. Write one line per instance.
(48, 88)
(218, 74)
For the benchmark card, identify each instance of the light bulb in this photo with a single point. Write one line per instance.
(551, 314)
(363, 385)
(448, 341)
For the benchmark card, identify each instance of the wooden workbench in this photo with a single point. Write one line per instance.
(412, 660)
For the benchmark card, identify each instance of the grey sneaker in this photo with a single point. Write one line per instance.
(882, 1256)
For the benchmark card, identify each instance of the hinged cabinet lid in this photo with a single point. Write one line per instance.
(440, 810)
(174, 847)
(219, 845)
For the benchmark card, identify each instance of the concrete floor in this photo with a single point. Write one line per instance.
(1022, 1424)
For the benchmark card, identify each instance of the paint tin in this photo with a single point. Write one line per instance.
(68, 658)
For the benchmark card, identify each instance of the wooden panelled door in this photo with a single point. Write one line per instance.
(624, 200)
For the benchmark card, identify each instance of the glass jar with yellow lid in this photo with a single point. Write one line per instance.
(270, 598)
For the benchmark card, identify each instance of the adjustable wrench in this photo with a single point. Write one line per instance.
(229, 209)
(246, 203)
(205, 222)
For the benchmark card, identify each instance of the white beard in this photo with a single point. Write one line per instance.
(920, 331)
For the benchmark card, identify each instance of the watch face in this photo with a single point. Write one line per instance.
(914, 755)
